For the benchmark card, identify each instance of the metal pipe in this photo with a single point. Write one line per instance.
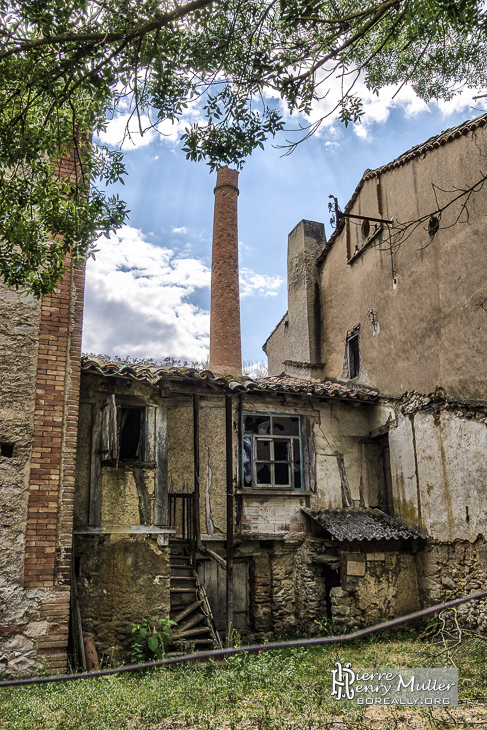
(229, 483)
(196, 468)
(254, 647)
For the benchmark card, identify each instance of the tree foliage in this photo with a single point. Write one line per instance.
(67, 66)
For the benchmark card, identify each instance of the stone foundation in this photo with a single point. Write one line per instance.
(121, 579)
(450, 570)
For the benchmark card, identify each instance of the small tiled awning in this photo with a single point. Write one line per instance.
(361, 524)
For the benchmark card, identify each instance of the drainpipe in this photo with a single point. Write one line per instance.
(196, 465)
(229, 481)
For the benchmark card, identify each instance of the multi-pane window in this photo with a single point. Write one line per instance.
(271, 451)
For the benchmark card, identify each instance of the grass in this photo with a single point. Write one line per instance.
(280, 690)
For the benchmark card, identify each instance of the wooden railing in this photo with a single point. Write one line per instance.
(182, 514)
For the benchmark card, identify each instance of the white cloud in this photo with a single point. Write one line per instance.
(124, 131)
(138, 301)
(183, 230)
(252, 284)
(377, 109)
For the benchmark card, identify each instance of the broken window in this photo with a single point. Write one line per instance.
(131, 434)
(353, 354)
(271, 451)
(122, 433)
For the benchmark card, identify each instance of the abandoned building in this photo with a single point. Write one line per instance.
(349, 483)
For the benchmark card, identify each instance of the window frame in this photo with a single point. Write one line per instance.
(111, 428)
(256, 438)
(354, 357)
(122, 417)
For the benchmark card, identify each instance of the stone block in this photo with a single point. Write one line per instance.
(355, 568)
(342, 610)
(337, 592)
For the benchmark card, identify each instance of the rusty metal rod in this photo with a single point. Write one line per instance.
(230, 498)
(252, 647)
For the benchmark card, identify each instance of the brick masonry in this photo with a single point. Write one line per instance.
(35, 615)
(50, 507)
(225, 342)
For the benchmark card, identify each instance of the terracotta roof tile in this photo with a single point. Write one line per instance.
(154, 374)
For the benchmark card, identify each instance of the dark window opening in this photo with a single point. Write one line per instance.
(366, 229)
(386, 501)
(131, 434)
(7, 450)
(271, 453)
(353, 355)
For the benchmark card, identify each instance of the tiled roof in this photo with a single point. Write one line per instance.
(158, 374)
(421, 149)
(325, 388)
(361, 524)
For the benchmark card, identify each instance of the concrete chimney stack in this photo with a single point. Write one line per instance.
(225, 343)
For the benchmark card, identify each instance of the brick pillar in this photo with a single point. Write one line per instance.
(225, 343)
(49, 534)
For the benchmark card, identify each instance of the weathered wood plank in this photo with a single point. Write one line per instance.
(109, 447)
(94, 517)
(161, 482)
(150, 433)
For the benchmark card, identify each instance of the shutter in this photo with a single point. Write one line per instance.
(109, 446)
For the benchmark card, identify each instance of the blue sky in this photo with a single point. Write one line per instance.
(147, 292)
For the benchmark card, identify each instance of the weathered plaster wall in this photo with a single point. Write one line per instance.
(295, 344)
(122, 562)
(340, 470)
(275, 347)
(426, 297)
(213, 490)
(273, 513)
(180, 445)
(438, 451)
(121, 579)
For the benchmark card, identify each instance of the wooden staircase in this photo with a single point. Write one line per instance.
(195, 630)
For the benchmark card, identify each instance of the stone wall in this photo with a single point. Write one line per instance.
(419, 308)
(451, 570)
(39, 407)
(121, 579)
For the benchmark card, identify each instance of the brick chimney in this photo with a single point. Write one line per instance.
(225, 344)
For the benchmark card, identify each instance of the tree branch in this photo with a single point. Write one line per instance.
(158, 22)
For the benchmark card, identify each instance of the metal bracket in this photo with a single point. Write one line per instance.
(340, 214)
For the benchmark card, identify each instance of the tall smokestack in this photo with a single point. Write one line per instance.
(225, 345)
